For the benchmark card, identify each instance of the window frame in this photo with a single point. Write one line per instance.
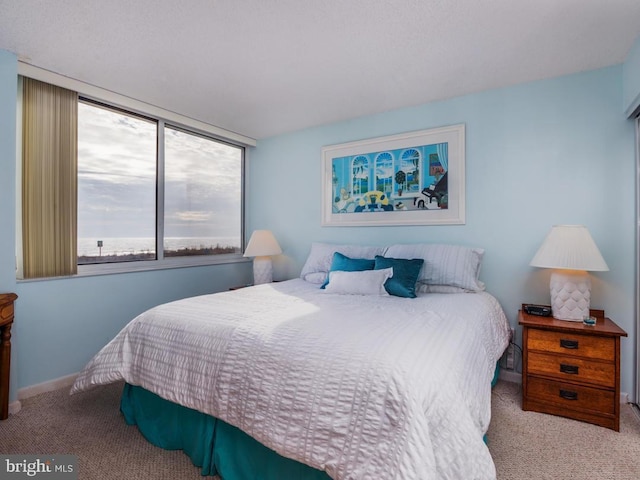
(110, 100)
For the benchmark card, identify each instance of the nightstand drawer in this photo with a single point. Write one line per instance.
(572, 396)
(572, 344)
(572, 369)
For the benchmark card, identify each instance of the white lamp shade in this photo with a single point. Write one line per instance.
(569, 247)
(262, 244)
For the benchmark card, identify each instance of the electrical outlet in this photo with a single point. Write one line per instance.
(511, 351)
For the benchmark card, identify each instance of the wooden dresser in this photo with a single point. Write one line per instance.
(6, 319)
(571, 369)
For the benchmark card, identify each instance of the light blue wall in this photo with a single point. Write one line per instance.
(551, 152)
(631, 79)
(8, 85)
(61, 324)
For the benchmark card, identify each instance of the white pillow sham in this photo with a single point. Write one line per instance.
(444, 265)
(366, 282)
(318, 264)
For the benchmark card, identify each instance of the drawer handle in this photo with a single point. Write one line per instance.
(570, 369)
(571, 344)
(568, 394)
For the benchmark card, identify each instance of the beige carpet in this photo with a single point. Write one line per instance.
(530, 445)
(525, 445)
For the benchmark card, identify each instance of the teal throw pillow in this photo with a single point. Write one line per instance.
(405, 275)
(345, 264)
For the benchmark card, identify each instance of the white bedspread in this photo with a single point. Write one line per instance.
(361, 387)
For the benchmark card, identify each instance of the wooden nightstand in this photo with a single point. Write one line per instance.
(6, 319)
(571, 369)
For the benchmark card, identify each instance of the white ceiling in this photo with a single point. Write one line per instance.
(266, 67)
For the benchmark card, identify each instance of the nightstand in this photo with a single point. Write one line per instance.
(6, 319)
(571, 369)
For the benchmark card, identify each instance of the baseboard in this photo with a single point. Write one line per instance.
(49, 386)
(515, 377)
(15, 407)
(510, 376)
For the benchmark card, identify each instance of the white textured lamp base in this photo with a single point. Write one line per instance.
(570, 295)
(262, 270)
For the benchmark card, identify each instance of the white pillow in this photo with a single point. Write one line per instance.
(318, 264)
(366, 282)
(451, 265)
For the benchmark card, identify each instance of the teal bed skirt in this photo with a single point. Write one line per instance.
(496, 375)
(213, 445)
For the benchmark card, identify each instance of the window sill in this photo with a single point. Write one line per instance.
(145, 266)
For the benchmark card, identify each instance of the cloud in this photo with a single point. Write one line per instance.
(117, 179)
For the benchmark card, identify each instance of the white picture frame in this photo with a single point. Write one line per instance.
(413, 178)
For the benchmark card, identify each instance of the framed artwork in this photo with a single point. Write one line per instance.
(414, 178)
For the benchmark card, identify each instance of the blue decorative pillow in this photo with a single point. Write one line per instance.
(343, 263)
(405, 275)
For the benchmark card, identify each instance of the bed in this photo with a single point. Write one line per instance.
(345, 386)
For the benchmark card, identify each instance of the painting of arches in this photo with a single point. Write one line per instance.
(414, 178)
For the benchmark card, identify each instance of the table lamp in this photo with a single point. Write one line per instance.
(571, 250)
(262, 245)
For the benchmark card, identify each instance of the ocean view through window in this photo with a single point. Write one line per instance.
(148, 191)
(140, 247)
(202, 191)
(116, 178)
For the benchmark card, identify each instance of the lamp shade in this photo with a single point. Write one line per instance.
(569, 247)
(262, 244)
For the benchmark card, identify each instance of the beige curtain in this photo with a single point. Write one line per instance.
(49, 180)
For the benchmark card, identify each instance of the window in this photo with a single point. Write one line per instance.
(116, 186)
(411, 165)
(360, 175)
(202, 195)
(119, 197)
(384, 171)
(150, 193)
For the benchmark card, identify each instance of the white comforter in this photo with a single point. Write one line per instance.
(361, 387)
